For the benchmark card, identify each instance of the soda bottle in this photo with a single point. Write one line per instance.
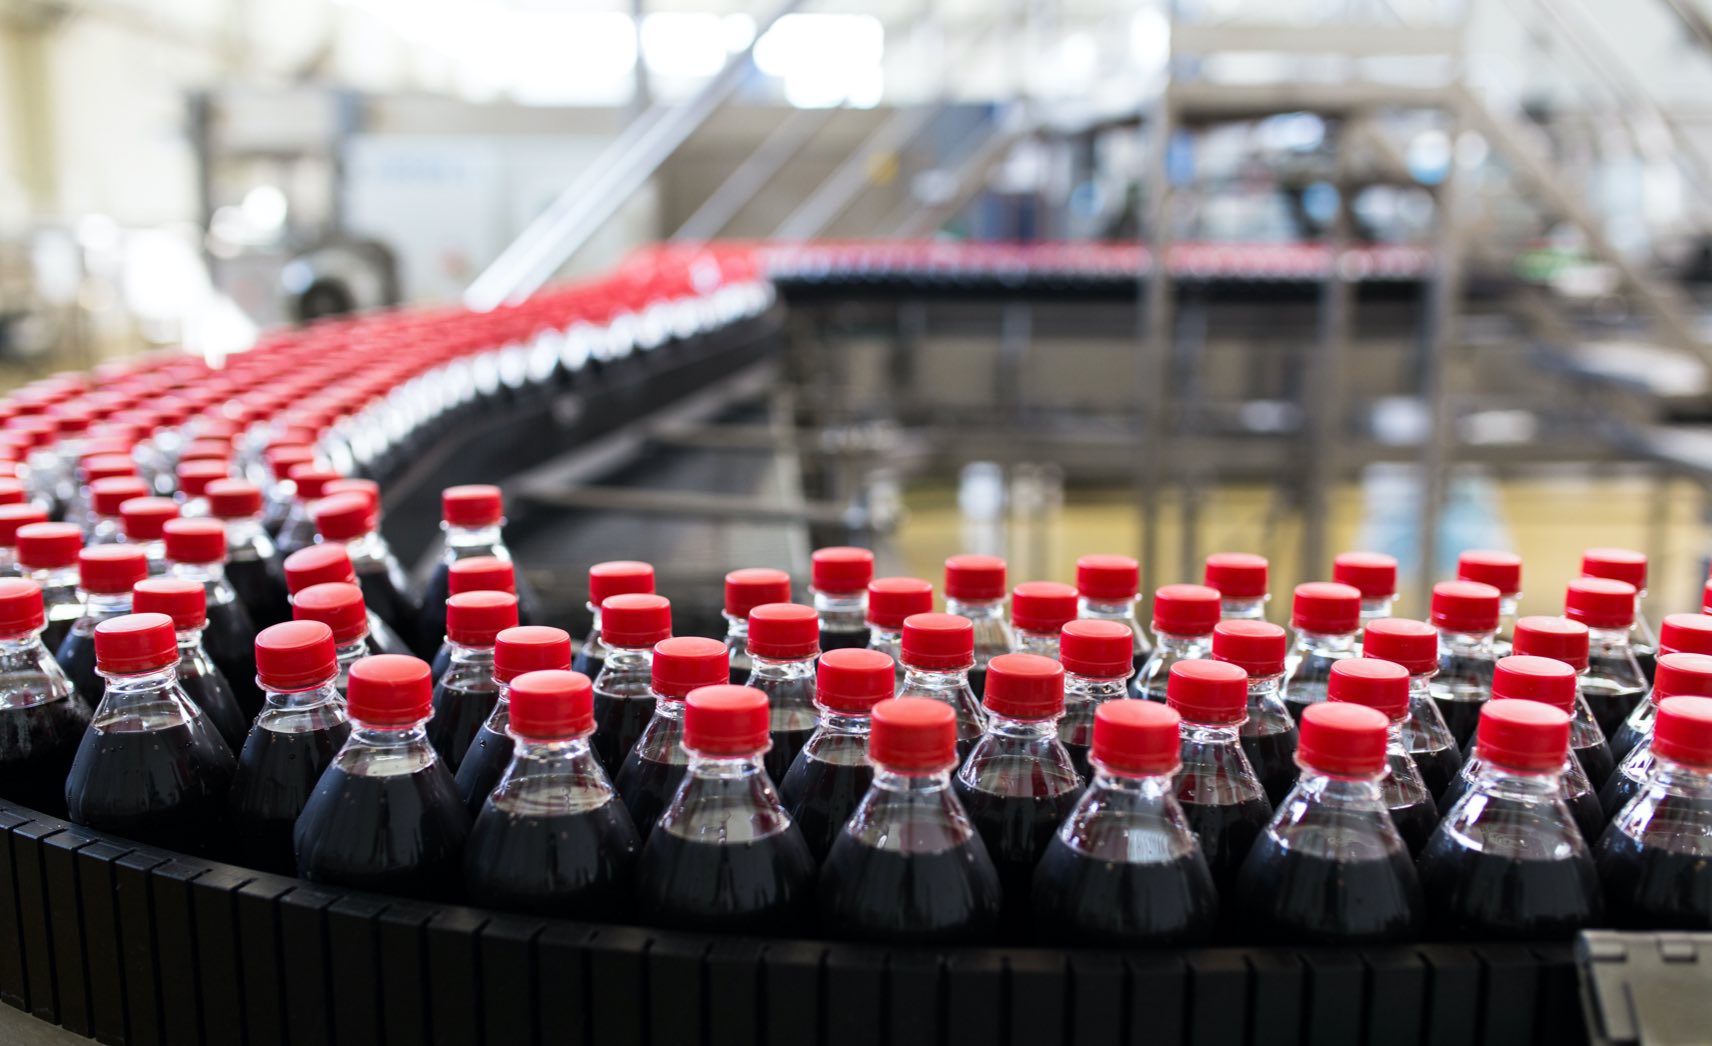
(471, 518)
(1466, 614)
(1614, 683)
(385, 815)
(1507, 860)
(528, 648)
(193, 480)
(1240, 579)
(105, 498)
(839, 584)
(1018, 783)
(1331, 867)
(143, 521)
(150, 767)
(1125, 868)
(1549, 682)
(831, 773)
(350, 518)
(938, 652)
(252, 562)
(196, 551)
(1621, 564)
(784, 640)
(472, 574)
(1374, 575)
(725, 855)
(1564, 640)
(200, 679)
(1326, 618)
(47, 554)
(553, 838)
(464, 697)
(1039, 610)
(746, 589)
(620, 577)
(331, 564)
(1106, 586)
(1415, 646)
(1502, 571)
(105, 574)
(655, 766)
(279, 493)
(293, 741)
(1268, 733)
(339, 606)
(1183, 621)
(1652, 859)
(1384, 687)
(1678, 634)
(1097, 655)
(42, 716)
(975, 590)
(892, 600)
(623, 691)
(1677, 675)
(12, 519)
(308, 482)
(908, 865)
(1217, 787)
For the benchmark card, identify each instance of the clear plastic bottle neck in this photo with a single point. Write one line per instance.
(366, 548)
(1095, 688)
(842, 611)
(1332, 791)
(627, 660)
(99, 606)
(1374, 609)
(1249, 609)
(1325, 644)
(473, 541)
(736, 628)
(321, 694)
(843, 724)
(768, 669)
(936, 678)
(976, 610)
(206, 573)
(376, 750)
(1607, 642)
(1468, 644)
(1107, 609)
(1171, 644)
(51, 578)
(910, 812)
(1211, 733)
(143, 701)
(246, 532)
(1260, 688)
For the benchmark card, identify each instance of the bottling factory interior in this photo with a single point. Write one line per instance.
(855, 521)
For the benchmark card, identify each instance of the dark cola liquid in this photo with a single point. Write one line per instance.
(230, 639)
(1273, 757)
(439, 662)
(1624, 740)
(1584, 808)
(1079, 758)
(1652, 888)
(1291, 896)
(484, 764)
(821, 796)
(978, 681)
(383, 639)
(574, 865)
(843, 639)
(1461, 717)
(459, 713)
(1083, 899)
(647, 788)
(165, 787)
(1477, 896)
(591, 659)
(618, 721)
(76, 654)
(1617, 792)
(277, 772)
(1415, 823)
(1611, 706)
(397, 833)
(788, 740)
(37, 745)
(764, 886)
(1438, 768)
(431, 613)
(949, 896)
(1016, 830)
(208, 690)
(1227, 832)
(260, 585)
(1648, 660)
(1597, 763)
(382, 595)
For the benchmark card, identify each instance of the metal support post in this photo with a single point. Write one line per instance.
(1153, 354)
(1439, 332)
(1324, 396)
(756, 171)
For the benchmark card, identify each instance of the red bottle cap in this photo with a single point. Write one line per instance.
(635, 620)
(194, 476)
(1024, 686)
(784, 631)
(1344, 739)
(1096, 649)
(12, 492)
(551, 704)
(344, 517)
(751, 587)
(530, 648)
(853, 681)
(892, 599)
(1522, 735)
(1600, 602)
(390, 690)
(974, 579)
(1683, 731)
(111, 570)
(1541, 679)
(475, 618)
(107, 466)
(1236, 575)
(841, 570)
(1380, 685)
(473, 505)
(1373, 574)
(283, 457)
(1558, 638)
(45, 546)
(1042, 606)
(938, 642)
(20, 606)
(726, 720)
(234, 499)
(135, 643)
(1412, 644)
(481, 574)
(620, 577)
(1185, 610)
(1107, 578)
(15, 517)
(1617, 564)
(1256, 647)
(295, 655)
(338, 605)
(685, 663)
(317, 565)
(310, 480)
(1465, 606)
(1682, 675)
(1205, 691)
(368, 488)
(913, 735)
(195, 540)
(206, 450)
(186, 602)
(1326, 608)
(144, 519)
(1140, 738)
(107, 495)
(1685, 634)
(1501, 570)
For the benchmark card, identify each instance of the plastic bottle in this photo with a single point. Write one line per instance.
(150, 767)
(746, 589)
(1507, 861)
(301, 727)
(1502, 571)
(1384, 687)
(253, 564)
(473, 574)
(938, 652)
(839, 585)
(528, 648)
(196, 551)
(1467, 615)
(1678, 634)
(470, 518)
(331, 564)
(12, 519)
(620, 577)
(1268, 733)
(553, 838)
(1326, 618)
(892, 600)
(623, 691)
(1614, 683)
(1415, 646)
(1240, 579)
(385, 815)
(655, 766)
(975, 590)
(784, 640)
(1097, 655)
(909, 866)
(1125, 869)
(339, 606)
(1039, 609)
(106, 496)
(1183, 621)
(1653, 857)
(350, 518)
(193, 480)
(1217, 787)
(279, 492)
(200, 679)
(464, 697)
(42, 716)
(831, 772)
(144, 521)
(725, 855)
(308, 482)
(1331, 868)
(105, 575)
(1626, 565)
(1564, 640)
(1018, 783)
(1677, 675)
(1107, 586)
(1374, 575)
(47, 554)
